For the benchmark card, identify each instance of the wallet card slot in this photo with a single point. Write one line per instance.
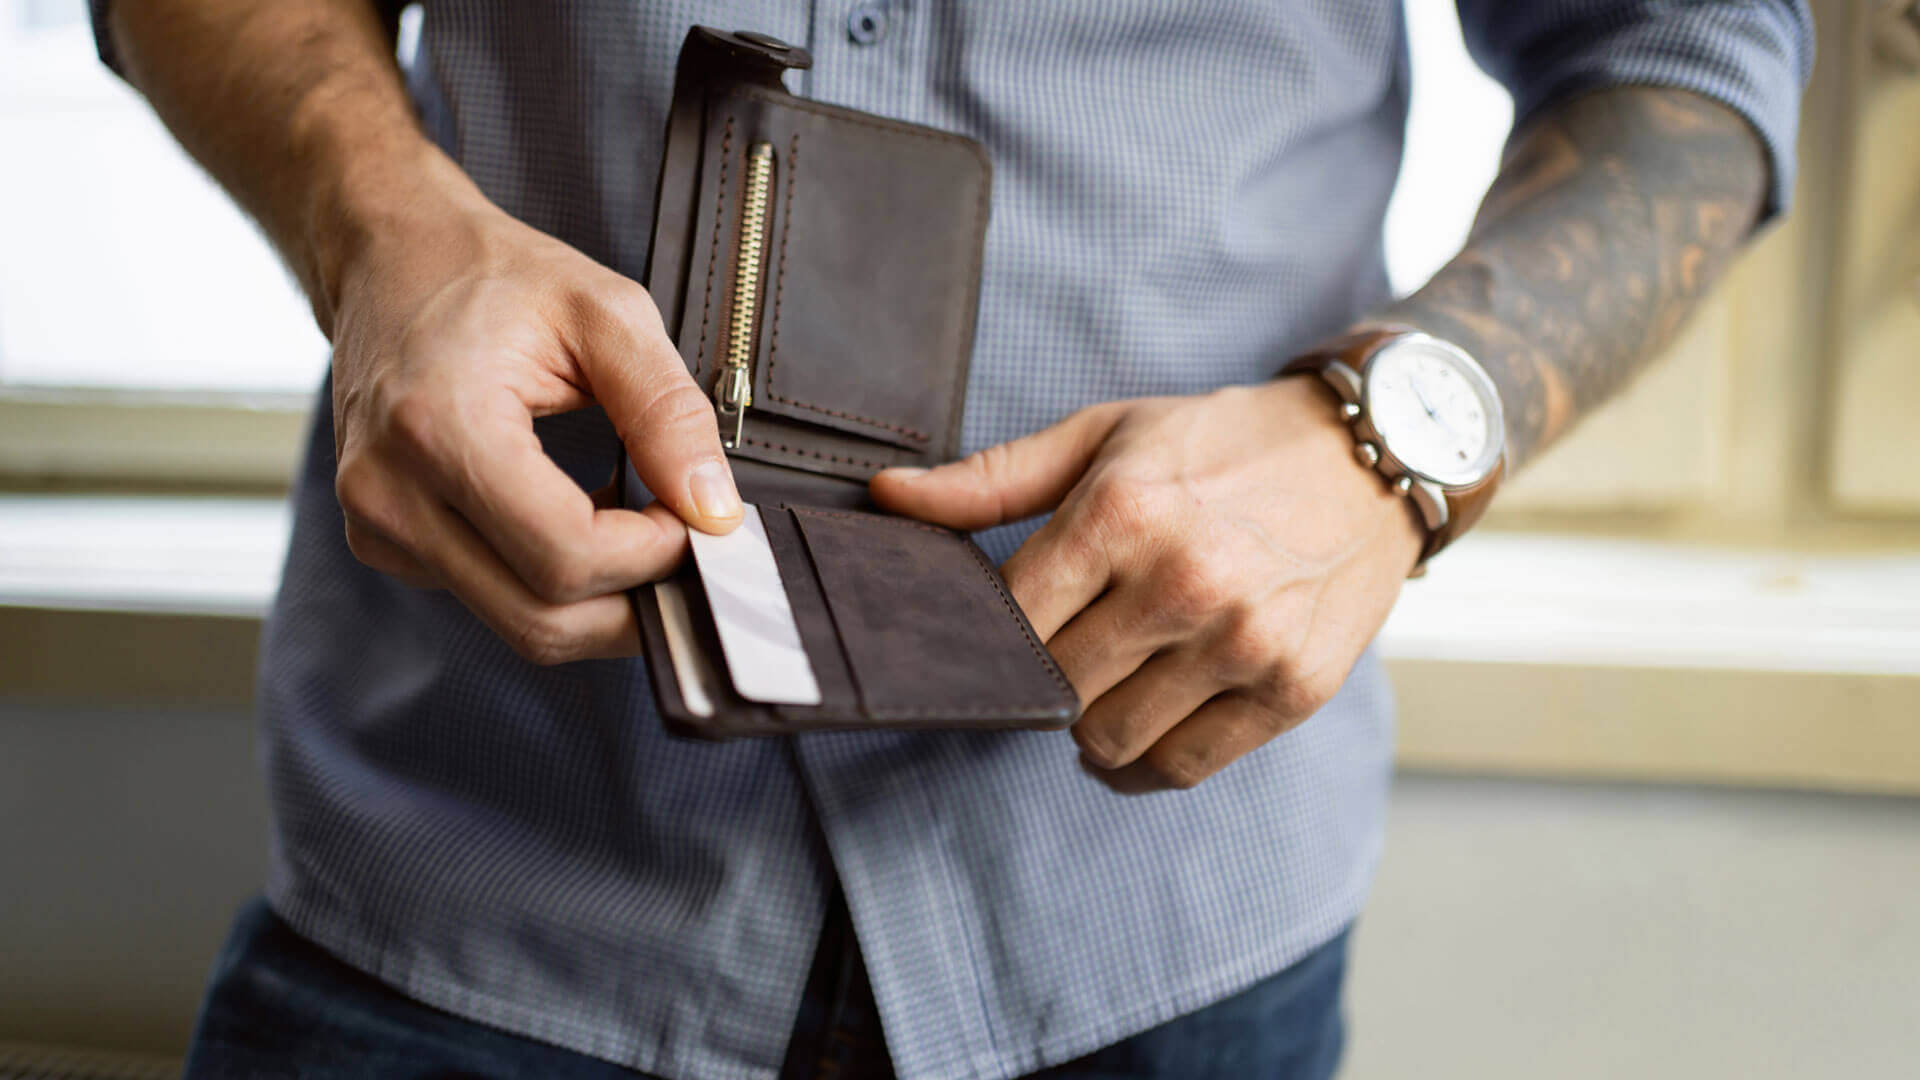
(929, 630)
(661, 677)
(676, 711)
(809, 604)
(732, 716)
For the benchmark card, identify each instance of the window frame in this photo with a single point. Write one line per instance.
(149, 440)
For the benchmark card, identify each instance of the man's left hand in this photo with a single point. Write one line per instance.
(1213, 567)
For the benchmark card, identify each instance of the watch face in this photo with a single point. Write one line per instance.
(1435, 411)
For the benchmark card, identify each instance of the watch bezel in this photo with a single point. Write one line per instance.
(1495, 448)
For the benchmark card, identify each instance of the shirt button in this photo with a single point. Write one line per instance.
(867, 23)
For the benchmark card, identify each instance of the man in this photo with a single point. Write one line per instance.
(489, 860)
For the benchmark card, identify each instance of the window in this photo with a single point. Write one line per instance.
(125, 268)
(1455, 129)
(149, 337)
(148, 333)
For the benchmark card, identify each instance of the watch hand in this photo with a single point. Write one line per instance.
(1433, 414)
(1422, 398)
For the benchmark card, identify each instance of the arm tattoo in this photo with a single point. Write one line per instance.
(1610, 217)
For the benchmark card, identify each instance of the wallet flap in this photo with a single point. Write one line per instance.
(928, 627)
(876, 242)
(906, 625)
(835, 257)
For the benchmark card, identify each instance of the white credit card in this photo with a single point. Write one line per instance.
(758, 636)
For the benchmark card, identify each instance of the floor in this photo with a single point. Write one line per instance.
(1529, 929)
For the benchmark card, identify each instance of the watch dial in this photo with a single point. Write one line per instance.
(1435, 411)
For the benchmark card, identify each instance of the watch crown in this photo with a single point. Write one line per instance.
(1403, 485)
(1349, 411)
(1368, 454)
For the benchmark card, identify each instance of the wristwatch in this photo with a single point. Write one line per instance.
(1424, 415)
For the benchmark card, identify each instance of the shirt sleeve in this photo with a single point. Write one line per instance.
(1751, 55)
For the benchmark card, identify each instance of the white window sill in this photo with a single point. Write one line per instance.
(1505, 598)
(172, 555)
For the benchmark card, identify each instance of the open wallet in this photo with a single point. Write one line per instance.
(818, 268)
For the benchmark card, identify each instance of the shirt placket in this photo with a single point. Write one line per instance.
(874, 55)
(871, 55)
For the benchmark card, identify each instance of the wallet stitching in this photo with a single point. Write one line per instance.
(784, 448)
(986, 570)
(801, 719)
(805, 716)
(713, 250)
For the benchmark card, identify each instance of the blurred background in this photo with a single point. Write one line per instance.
(1659, 811)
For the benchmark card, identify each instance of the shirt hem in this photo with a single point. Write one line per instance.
(480, 1007)
(1340, 916)
(483, 1008)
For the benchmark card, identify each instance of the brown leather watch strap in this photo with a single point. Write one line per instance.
(1351, 349)
(1465, 505)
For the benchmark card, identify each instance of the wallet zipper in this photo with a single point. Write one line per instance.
(733, 390)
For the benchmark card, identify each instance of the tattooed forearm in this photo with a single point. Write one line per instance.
(1610, 217)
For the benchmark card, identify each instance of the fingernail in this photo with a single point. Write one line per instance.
(907, 472)
(713, 491)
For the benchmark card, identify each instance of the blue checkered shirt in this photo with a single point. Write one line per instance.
(1184, 191)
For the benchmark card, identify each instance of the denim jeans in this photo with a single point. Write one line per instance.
(279, 1006)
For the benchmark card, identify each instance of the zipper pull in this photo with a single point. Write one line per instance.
(732, 396)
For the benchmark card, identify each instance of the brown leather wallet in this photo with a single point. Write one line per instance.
(819, 269)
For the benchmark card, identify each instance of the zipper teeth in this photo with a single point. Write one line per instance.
(746, 277)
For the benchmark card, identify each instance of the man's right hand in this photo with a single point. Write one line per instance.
(454, 326)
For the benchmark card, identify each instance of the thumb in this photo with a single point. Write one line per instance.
(666, 424)
(1003, 483)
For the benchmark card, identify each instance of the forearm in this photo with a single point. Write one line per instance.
(297, 108)
(1611, 216)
